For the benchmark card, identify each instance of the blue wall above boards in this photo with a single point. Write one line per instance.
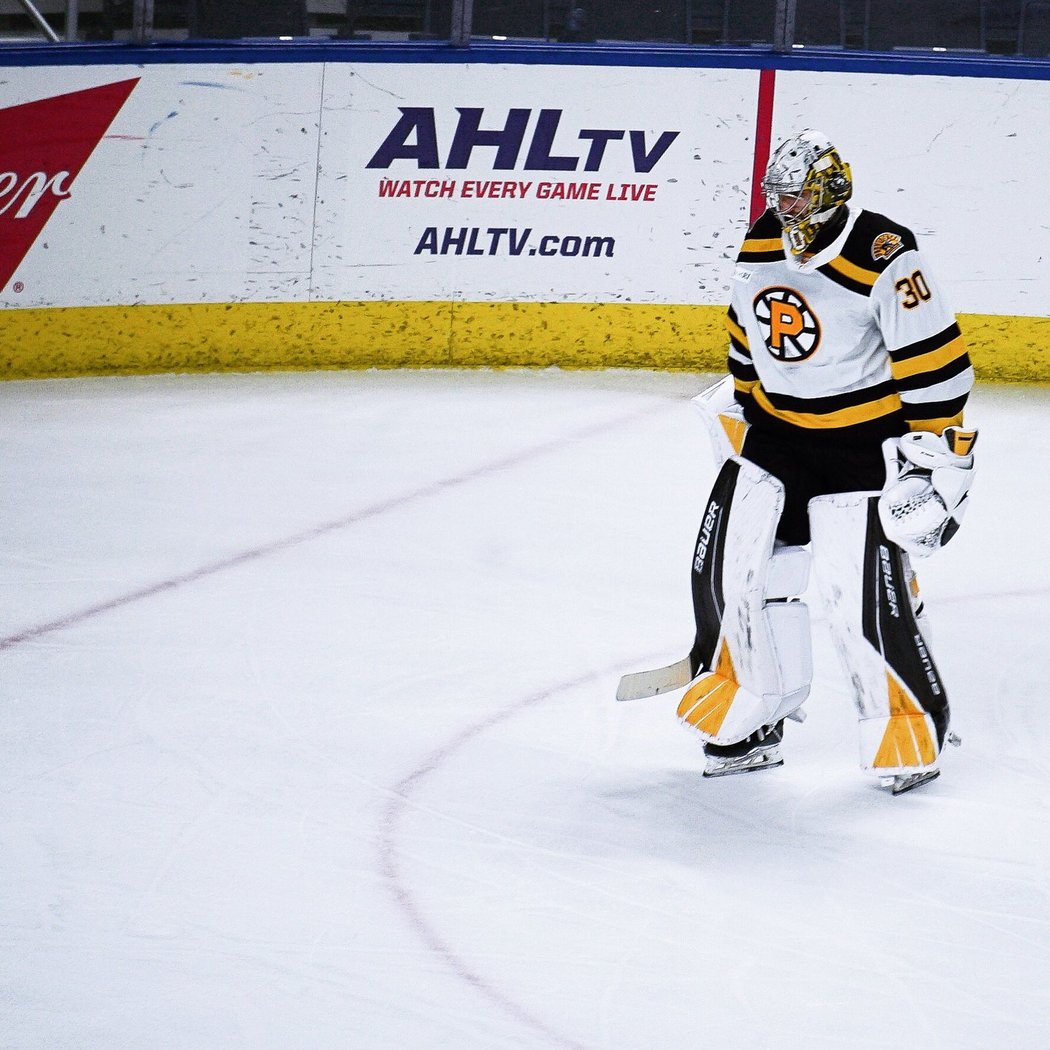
(814, 59)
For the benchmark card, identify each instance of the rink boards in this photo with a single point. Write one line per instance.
(374, 207)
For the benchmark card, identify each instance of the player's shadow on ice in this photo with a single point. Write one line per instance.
(680, 816)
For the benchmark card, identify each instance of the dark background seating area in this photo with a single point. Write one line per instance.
(1004, 27)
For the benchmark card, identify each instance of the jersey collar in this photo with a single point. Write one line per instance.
(832, 251)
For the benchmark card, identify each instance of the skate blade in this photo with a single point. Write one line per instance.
(906, 782)
(747, 764)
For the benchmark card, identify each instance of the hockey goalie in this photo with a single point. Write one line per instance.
(840, 434)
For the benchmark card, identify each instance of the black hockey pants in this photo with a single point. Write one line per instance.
(812, 464)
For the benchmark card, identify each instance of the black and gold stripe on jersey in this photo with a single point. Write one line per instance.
(850, 276)
(930, 361)
(934, 377)
(860, 264)
(764, 241)
(877, 407)
(741, 366)
(934, 415)
(737, 335)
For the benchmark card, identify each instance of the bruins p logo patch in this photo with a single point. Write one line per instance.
(789, 327)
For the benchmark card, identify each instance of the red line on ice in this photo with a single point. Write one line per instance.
(435, 488)
(400, 800)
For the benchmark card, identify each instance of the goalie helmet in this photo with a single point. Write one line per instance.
(805, 183)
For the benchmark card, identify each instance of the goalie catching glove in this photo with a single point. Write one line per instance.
(928, 479)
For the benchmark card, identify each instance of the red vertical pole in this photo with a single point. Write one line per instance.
(763, 131)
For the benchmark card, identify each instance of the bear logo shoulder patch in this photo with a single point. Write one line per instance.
(885, 246)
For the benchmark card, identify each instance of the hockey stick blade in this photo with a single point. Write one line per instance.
(651, 683)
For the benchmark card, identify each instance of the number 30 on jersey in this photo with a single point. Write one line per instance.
(913, 290)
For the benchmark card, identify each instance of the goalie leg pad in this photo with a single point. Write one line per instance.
(752, 648)
(918, 607)
(864, 580)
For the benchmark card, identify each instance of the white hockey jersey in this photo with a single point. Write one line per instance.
(856, 343)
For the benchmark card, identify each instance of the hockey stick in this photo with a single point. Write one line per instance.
(660, 680)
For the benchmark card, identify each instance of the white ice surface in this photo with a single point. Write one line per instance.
(308, 739)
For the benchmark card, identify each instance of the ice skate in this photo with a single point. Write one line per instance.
(761, 750)
(906, 781)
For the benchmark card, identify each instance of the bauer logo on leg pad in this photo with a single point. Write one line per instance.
(891, 628)
(707, 532)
